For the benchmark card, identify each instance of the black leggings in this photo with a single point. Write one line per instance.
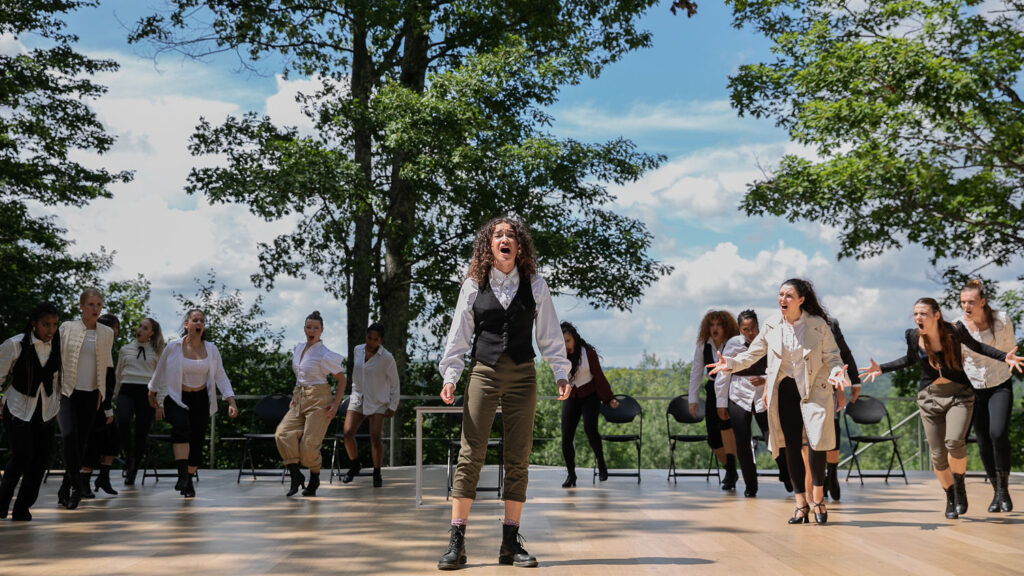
(572, 410)
(992, 426)
(189, 425)
(712, 422)
(30, 453)
(741, 420)
(133, 400)
(102, 441)
(76, 418)
(792, 421)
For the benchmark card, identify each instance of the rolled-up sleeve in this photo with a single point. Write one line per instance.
(548, 330)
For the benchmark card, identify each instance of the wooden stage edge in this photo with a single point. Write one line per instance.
(614, 527)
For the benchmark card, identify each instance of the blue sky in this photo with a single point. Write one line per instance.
(670, 99)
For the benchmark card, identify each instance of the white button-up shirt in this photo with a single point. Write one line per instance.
(793, 364)
(19, 405)
(737, 388)
(169, 375)
(546, 327)
(374, 381)
(312, 368)
(985, 372)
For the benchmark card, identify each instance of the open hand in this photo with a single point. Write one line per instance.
(874, 370)
(719, 366)
(1015, 362)
(840, 380)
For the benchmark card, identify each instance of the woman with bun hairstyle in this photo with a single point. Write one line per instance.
(136, 363)
(993, 389)
(804, 367)
(301, 432)
(589, 388)
(375, 395)
(184, 383)
(945, 395)
(30, 405)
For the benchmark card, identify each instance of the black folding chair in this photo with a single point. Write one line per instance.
(455, 444)
(629, 409)
(266, 414)
(868, 411)
(679, 410)
(338, 442)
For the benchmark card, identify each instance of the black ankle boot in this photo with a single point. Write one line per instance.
(602, 474)
(85, 480)
(570, 480)
(183, 475)
(512, 551)
(994, 481)
(190, 490)
(729, 482)
(455, 556)
(103, 481)
(63, 491)
(832, 481)
(1005, 504)
(130, 473)
(6, 494)
(961, 494)
(314, 483)
(378, 480)
(298, 480)
(74, 495)
(353, 471)
(951, 503)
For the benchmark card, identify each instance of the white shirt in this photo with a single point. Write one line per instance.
(19, 405)
(72, 336)
(312, 368)
(374, 381)
(793, 363)
(193, 372)
(546, 327)
(985, 372)
(697, 370)
(169, 375)
(135, 365)
(737, 388)
(583, 374)
(86, 380)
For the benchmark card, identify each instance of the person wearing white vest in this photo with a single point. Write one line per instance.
(184, 382)
(85, 356)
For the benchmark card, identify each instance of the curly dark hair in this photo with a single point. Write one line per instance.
(483, 259)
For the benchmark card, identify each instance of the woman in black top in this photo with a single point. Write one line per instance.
(945, 395)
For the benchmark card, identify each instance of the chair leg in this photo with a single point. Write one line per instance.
(638, 449)
(892, 459)
(856, 462)
(672, 460)
(241, 463)
(334, 459)
(900, 459)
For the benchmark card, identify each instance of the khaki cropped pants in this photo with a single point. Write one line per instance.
(946, 415)
(516, 386)
(301, 433)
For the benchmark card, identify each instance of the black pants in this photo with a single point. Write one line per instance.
(792, 422)
(992, 426)
(741, 420)
(572, 410)
(30, 444)
(76, 418)
(102, 441)
(189, 425)
(133, 401)
(712, 422)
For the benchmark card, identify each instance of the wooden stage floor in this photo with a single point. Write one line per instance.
(617, 527)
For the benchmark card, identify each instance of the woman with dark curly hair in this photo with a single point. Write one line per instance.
(589, 388)
(502, 304)
(716, 328)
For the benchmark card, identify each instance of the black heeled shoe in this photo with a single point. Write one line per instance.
(820, 517)
(353, 471)
(314, 483)
(298, 480)
(801, 519)
(103, 483)
(190, 489)
(570, 481)
(602, 474)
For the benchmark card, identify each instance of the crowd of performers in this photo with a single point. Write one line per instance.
(789, 373)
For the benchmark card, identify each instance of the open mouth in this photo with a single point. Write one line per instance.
(505, 250)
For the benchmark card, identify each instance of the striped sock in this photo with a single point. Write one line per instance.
(508, 522)
(458, 521)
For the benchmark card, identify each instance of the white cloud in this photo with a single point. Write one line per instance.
(715, 116)
(10, 45)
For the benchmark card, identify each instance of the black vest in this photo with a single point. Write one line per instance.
(497, 330)
(28, 374)
(759, 368)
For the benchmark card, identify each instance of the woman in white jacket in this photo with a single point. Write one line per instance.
(804, 366)
(184, 380)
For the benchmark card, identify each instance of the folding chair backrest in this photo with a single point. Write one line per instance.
(628, 409)
(679, 408)
(271, 409)
(867, 410)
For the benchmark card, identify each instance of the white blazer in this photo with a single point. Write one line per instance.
(821, 360)
(166, 380)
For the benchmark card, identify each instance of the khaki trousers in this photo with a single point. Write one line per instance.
(515, 385)
(301, 432)
(946, 416)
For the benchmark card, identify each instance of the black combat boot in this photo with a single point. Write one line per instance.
(951, 503)
(455, 556)
(512, 551)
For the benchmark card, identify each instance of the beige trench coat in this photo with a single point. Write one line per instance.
(821, 356)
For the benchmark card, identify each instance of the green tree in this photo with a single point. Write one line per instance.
(428, 124)
(913, 110)
(46, 120)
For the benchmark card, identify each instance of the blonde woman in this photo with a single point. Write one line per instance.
(136, 364)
